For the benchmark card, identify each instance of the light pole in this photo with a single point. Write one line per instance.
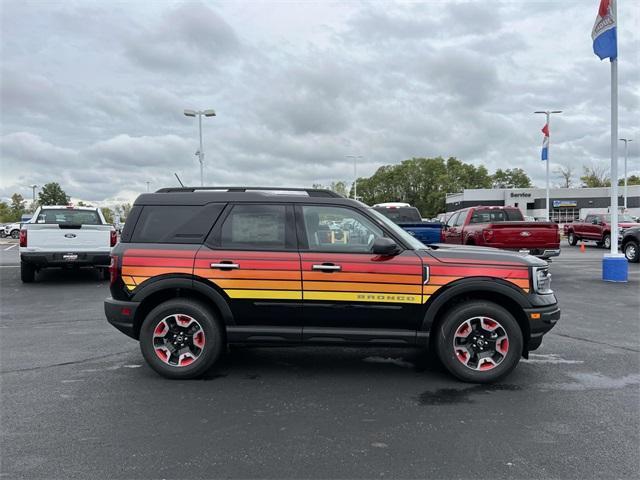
(147, 182)
(355, 174)
(548, 115)
(626, 156)
(200, 153)
(33, 190)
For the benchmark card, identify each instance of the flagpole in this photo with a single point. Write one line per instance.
(548, 152)
(614, 156)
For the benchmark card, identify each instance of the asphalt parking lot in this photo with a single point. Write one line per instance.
(77, 401)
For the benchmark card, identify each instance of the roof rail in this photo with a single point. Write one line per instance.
(312, 192)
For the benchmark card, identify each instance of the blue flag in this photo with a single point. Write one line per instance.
(604, 34)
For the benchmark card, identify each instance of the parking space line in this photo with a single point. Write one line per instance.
(12, 246)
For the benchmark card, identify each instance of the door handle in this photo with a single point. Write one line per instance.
(225, 265)
(327, 267)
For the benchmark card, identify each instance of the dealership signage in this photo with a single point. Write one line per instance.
(564, 203)
(520, 195)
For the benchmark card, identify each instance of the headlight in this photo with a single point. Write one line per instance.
(542, 280)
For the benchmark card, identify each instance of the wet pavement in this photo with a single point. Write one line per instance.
(77, 401)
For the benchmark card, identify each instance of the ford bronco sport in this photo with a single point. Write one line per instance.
(198, 269)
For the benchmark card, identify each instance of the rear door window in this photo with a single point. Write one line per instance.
(175, 223)
(258, 227)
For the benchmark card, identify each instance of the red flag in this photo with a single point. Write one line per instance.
(545, 129)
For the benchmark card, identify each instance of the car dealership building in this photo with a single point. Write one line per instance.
(566, 204)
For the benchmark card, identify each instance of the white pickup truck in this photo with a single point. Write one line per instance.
(64, 236)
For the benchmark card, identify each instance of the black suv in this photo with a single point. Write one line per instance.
(198, 269)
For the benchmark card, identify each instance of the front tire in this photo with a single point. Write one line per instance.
(632, 251)
(606, 242)
(181, 339)
(572, 239)
(27, 272)
(479, 342)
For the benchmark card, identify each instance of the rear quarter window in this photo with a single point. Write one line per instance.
(175, 223)
(68, 216)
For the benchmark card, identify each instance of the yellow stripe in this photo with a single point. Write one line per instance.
(270, 294)
(364, 297)
(431, 288)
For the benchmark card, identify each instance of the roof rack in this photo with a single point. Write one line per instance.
(312, 192)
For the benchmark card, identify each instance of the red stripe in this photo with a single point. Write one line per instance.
(235, 254)
(130, 260)
(246, 264)
(160, 253)
(357, 258)
(369, 268)
(477, 271)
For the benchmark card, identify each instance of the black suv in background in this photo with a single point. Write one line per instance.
(630, 244)
(200, 268)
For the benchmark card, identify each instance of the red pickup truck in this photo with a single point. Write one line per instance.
(596, 227)
(502, 227)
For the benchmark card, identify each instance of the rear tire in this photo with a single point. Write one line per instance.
(15, 234)
(479, 366)
(606, 241)
(27, 272)
(158, 336)
(572, 239)
(632, 251)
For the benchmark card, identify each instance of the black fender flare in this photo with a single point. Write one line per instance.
(471, 285)
(187, 283)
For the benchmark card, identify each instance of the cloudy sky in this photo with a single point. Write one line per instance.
(93, 92)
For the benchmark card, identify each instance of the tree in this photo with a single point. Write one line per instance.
(17, 207)
(108, 214)
(422, 182)
(339, 187)
(595, 176)
(566, 173)
(631, 180)
(510, 178)
(52, 194)
(5, 212)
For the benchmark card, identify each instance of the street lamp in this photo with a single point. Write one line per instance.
(355, 174)
(626, 156)
(548, 114)
(200, 153)
(33, 190)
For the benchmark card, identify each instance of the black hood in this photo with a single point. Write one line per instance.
(447, 253)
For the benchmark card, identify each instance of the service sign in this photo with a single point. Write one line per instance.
(564, 203)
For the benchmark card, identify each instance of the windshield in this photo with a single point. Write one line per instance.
(621, 218)
(401, 214)
(64, 215)
(408, 239)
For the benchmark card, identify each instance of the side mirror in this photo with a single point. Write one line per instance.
(385, 246)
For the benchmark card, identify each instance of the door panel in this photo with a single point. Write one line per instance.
(251, 256)
(348, 292)
(368, 291)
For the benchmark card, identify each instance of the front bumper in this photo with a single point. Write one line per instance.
(62, 259)
(121, 314)
(541, 320)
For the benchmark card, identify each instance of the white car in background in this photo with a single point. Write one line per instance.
(65, 236)
(12, 230)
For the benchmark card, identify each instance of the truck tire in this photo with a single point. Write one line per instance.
(606, 241)
(632, 251)
(15, 234)
(572, 239)
(27, 272)
(181, 339)
(479, 341)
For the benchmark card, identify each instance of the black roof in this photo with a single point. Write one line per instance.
(204, 195)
